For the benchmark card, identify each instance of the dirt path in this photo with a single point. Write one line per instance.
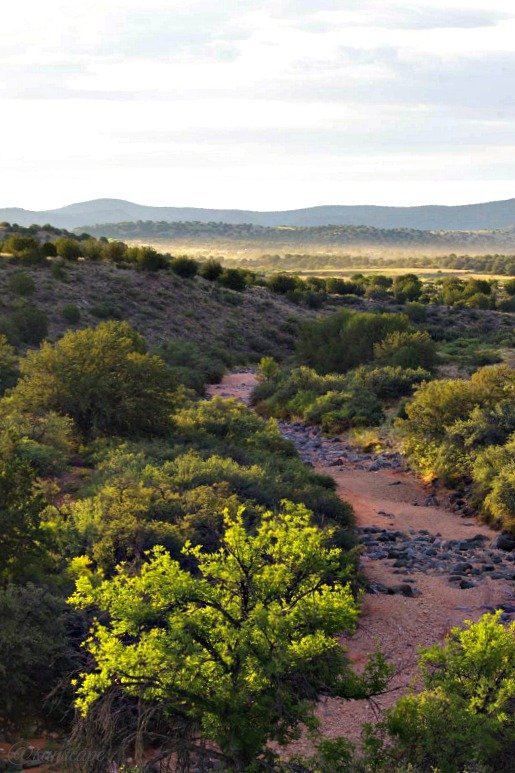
(428, 568)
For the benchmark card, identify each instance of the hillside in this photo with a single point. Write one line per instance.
(226, 236)
(162, 306)
(489, 215)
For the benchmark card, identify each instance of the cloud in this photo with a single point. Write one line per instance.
(303, 90)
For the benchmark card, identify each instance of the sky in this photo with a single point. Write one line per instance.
(257, 104)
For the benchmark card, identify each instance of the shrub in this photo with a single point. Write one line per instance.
(106, 310)
(464, 716)
(68, 249)
(233, 279)
(211, 270)
(101, 378)
(184, 266)
(8, 365)
(30, 324)
(407, 350)
(21, 283)
(71, 313)
(48, 249)
(344, 340)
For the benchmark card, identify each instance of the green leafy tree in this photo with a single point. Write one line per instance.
(464, 717)
(102, 378)
(242, 648)
(211, 270)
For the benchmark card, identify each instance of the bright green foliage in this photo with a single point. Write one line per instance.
(459, 429)
(44, 440)
(268, 367)
(407, 350)
(464, 718)
(242, 648)
(335, 402)
(8, 365)
(102, 379)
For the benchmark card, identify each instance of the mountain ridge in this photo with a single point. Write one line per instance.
(475, 217)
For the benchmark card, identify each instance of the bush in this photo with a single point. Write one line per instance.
(407, 350)
(35, 642)
(233, 279)
(21, 283)
(464, 716)
(210, 270)
(344, 340)
(101, 378)
(8, 365)
(71, 313)
(184, 266)
(68, 249)
(106, 310)
(30, 324)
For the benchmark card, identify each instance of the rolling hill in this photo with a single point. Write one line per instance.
(490, 215)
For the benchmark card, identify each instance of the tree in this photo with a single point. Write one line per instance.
(35, 654)
(102, 378)
(464, 717)
(407, 287)
(242, 648)
(20, 516)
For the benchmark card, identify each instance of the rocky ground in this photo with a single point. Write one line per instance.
(428, 562)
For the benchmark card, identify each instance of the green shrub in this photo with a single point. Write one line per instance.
(21, 283)
(71, 313)
(184, 266)
(101, 378)
(211, 270)
(233, 279)
(8, 365)
(345, 340)
(68, 249)
(30, 324)
(407, 349)
(106, 310)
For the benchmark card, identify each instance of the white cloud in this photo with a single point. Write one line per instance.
(263, 103)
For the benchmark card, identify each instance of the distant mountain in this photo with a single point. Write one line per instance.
(469, 217)
(300, 238)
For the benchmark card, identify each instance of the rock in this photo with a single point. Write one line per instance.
(466, 584)
(403, 589)
(460, 568)
(431, 501)
(504, 541)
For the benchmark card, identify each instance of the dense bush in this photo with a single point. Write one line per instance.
(407, 349)
(463, 431)
(184, 266)
(29, 324)
(102, 379)
(342, 341)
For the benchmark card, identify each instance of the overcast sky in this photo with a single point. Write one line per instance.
(262, 104)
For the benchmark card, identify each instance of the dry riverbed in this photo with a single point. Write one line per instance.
(429, 563)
